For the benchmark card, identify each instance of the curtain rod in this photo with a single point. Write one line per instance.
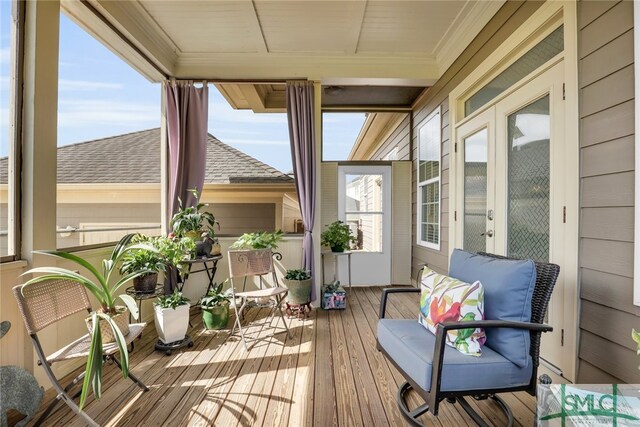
(239, 81)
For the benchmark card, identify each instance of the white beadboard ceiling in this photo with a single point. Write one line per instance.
(356, 41)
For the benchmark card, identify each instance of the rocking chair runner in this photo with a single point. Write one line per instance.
(438, 372)
(49, 302)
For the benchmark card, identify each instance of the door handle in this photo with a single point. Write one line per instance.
(488, 233)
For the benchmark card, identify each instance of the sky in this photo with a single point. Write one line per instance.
(100, 95)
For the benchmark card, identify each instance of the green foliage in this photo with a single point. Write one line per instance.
(337, 234)
(104, 288)
(297, 275)
(193, 219)
(259, 240)
(167, 251)
(215, 297)
(175, 300)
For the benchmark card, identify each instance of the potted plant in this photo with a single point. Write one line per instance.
(259, 240)
(108, 324)
(215, 308)
(144, 259)
(165, 252)
(193, 222)
(171, 316)
(337, 236)
(299, 284)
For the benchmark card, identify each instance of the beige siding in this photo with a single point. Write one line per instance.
(607, 315)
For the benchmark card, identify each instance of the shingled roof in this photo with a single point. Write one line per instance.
(135, 158)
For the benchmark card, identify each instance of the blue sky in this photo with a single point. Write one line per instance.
(100, 95)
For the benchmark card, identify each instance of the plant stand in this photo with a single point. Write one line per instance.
(140, 296)
(301, 311)
(169, 347)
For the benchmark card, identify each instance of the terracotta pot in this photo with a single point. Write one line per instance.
(121, 319)
(146, 284)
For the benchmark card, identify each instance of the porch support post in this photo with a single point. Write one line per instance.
(317, 226)
(164, 164)
(39, 138)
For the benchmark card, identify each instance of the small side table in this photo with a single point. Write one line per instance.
(209, 269)
(141, 296)
(336, 255)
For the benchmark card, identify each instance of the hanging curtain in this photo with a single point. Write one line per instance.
(300, 115)
(187, 111)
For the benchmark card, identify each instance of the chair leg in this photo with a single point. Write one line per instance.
(238, 324)
(478, 419)
(63, 396)
(410, 415)
(279, 302)
(132, 377)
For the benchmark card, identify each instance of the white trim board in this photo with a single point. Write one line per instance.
(636, 237)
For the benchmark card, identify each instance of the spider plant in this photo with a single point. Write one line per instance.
(101, 287)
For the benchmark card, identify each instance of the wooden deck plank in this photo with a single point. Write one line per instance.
(330, 373)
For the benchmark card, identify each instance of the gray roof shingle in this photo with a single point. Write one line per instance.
(135, 158)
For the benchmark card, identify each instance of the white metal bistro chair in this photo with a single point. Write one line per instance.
(48, 302)
(255, 263)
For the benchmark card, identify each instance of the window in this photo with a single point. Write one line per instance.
(9, 102)
(108, 178)
(428, 233)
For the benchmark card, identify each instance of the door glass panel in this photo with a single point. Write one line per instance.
(529, 181)
(475, 190)
(552, 45)
(364, 210)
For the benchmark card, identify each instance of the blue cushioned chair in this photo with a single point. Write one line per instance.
(517, 294)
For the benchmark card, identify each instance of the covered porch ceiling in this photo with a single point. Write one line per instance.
(250, 47)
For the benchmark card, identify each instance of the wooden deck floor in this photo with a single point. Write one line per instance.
(328, 374)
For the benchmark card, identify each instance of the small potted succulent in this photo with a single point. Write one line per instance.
(171, 316)
(337, 236)
(215, 308)
(299, 284)
(193, 222)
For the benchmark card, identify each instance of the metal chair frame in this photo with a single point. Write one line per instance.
(546, 277)
(75, 300)
(257, 263)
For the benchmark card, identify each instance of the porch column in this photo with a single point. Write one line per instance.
(317, 226)
(39, 140)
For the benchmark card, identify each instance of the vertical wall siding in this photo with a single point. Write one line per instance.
(606, 80)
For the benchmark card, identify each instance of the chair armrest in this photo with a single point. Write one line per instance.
(385, 294)
(442, 328)
(488, 324)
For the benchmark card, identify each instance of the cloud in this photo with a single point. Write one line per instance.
(99, 112)
(83, 85)
(232, 141)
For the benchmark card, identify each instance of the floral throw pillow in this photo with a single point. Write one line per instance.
(445, 299)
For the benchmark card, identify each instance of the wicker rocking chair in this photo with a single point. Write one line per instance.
(49, 302)
(438, 372)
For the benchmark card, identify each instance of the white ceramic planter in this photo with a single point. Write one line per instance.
(171, 324)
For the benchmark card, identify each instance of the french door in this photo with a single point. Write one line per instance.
(510, 188)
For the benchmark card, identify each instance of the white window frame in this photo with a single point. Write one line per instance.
(636, 240)
(434, 115)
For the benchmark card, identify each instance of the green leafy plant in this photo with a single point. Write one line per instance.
(167, 251)
(215, 297)
(635, 336)
(337, 235)
(192, 220)
(259, 240)
(174, 300)
(297, 275)
(104, 286)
